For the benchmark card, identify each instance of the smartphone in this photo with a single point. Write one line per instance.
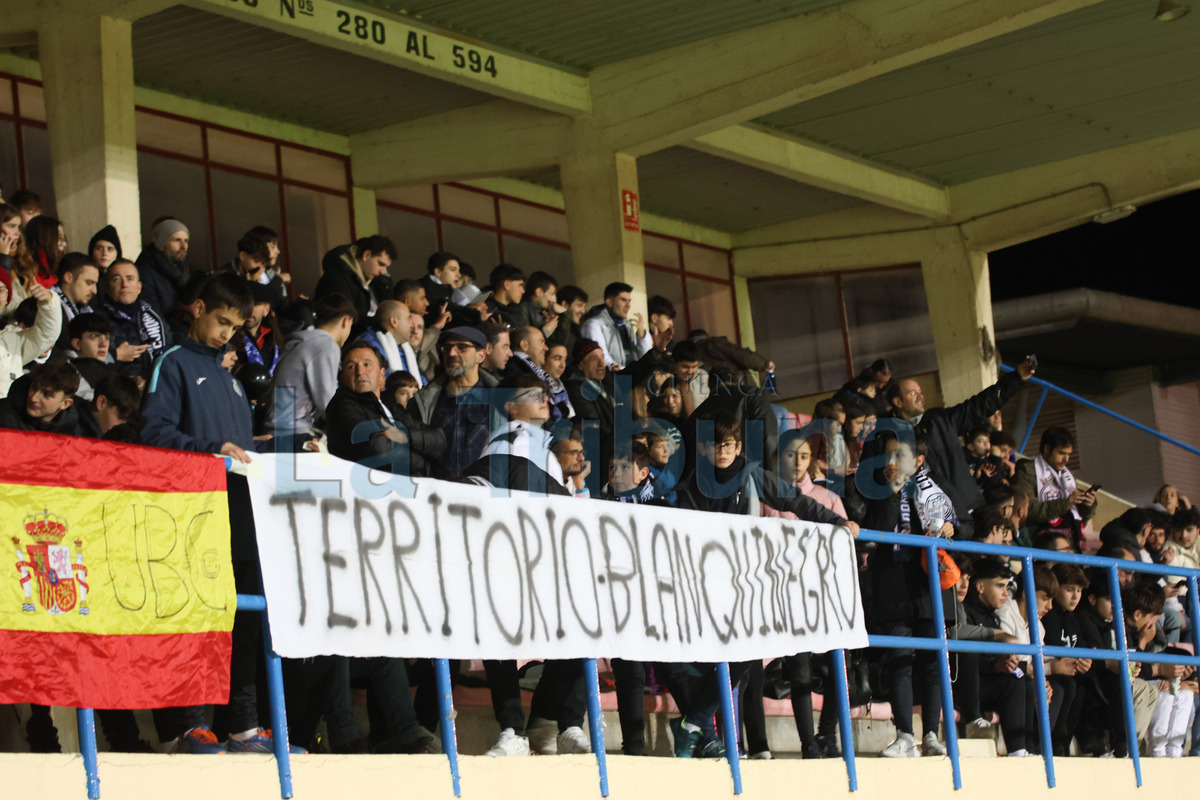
(1032, 362)
(1095, 488)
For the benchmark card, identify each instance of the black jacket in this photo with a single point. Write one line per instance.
(899, 584)
(754, 483)
(161, 278)
(591, 405)
(751, 406)
(137, 328)
(337, 277)
(946, 463)
(979, 614)
(516, 472)
(13, 416)
(348, 409)
(436, 294)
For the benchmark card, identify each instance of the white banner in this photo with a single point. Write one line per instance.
(442, 569)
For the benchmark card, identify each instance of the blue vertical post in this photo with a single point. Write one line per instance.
(843, 701)
(596, 721)
(1194, 604)
(1131, 738)
(1037, 409)
(441, 669)
(279, 726)
(85, 719)
(728, 726)
(939, 625)
(1039, 668)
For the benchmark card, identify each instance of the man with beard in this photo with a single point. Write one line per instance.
(454, 401)
(163, 265)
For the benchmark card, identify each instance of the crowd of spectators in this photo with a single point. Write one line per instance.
(391, 371)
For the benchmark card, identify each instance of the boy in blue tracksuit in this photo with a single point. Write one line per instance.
(194, 403)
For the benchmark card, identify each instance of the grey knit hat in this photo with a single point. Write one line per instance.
(163, 231)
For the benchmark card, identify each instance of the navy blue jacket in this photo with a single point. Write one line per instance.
(193, 403)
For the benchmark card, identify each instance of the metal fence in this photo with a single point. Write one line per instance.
(942, 644)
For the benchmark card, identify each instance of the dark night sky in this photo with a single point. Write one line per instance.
(1153, 254)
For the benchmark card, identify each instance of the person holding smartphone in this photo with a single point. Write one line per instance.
(1055, 501)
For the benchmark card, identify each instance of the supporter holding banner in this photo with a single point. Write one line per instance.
(442, 569)
(120, 594)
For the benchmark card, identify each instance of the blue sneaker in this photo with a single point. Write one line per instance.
(710, 748)
(198, 741)
(685, 740)
(261, 742)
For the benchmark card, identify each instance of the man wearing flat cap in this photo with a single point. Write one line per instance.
(163, 265)
(455, 400)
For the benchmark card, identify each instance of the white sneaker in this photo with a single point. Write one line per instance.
(572, 741)
(1174, 751)
(432, 743)
(510, 744)
(930, 746)
(764, 755)
(1022, 753)
(980, 729)
(903, 747)
(543, 736)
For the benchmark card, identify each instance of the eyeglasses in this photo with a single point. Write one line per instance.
(723, 447)
(459, 346)
(531, 396)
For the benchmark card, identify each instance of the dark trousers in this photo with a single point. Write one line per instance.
(423, 675)
(561, 694)
(1013, 699)
(630, 677)
(506, 694)
(901, 666)
(703, 698)
(754, 718)
(307, 683)
(1069, 699)
(241, 713)
(798, 670)
(389, 701)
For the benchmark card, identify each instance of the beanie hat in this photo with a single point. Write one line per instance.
(584, 349)
(106, 234)
(163, 231)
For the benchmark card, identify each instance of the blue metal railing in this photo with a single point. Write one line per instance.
(1048, 387)
(1036, 650)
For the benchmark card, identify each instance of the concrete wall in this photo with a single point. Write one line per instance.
(254, 777)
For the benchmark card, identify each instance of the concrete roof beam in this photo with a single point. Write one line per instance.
(490, 139)
(666, 98)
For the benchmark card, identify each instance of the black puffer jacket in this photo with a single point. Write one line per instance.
(14, 417)
(946, 463)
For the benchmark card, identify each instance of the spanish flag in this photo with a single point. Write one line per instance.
(120, 592)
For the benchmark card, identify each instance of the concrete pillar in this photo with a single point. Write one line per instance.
(603, 249)
(366, 214)
(87, 69)
(959, 295)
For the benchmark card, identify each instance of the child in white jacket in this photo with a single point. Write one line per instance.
(20, 345)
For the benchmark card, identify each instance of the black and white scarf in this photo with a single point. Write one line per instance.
(929, 501)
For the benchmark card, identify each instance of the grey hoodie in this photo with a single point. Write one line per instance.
(310, 366)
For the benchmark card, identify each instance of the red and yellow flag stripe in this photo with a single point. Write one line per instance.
(119, 590)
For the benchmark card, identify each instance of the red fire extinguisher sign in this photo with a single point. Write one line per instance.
(630, 211)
